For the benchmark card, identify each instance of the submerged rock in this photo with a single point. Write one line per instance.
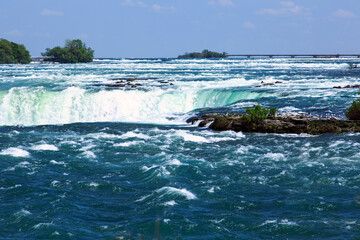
(349, 86)
(279, 124)
(131, 79)
(115, 85)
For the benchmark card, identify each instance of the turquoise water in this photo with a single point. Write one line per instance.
(79, 160)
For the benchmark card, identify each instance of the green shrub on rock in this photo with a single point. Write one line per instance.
(259, 114)
(353, 112)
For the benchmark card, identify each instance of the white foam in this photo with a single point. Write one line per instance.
(337, 143)
(16, 186)
(42, 225)
(89, 154)
(57, 163)
(282, 222)
(287, 222)
(145, 168)
(175, 191)
(170, 203)
(55, 183)
(275, 156)
(212, 189)
(242, 149)
(22, 213)
(205, 136)
(15, 152)
(192, 138)
(142, 198)
(175, 162)
(45, 147)
(127, 144)
(233, 134)
(134, 135)
(289, 109)
(93, 184)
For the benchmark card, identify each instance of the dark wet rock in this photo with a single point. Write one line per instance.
(349, 86)
(133, 86)
(138, 84)
(124, 79)
(171, 84)
(278, 82)
(268, 84)
(115, 85)
(131, 79)
(279, 124)
(164, 82)
(147, 78)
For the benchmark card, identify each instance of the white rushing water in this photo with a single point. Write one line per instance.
(27, 106)
(38, 94)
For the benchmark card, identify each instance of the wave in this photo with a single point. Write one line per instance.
(38, 106)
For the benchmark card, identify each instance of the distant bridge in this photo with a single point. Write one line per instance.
(295, 55)
(42, 59)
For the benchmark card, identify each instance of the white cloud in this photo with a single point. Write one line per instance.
(132, 3)
(48, 12)
(287, 8)
(14, 33)
(248, 25)
(159, 8)
(288, 4)
(224, 3)
(156, 7)
(344, 13)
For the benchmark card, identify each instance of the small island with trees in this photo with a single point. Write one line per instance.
(11, 52)
(75, 51)
(204, 54)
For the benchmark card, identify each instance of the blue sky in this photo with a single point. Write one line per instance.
(167, 28)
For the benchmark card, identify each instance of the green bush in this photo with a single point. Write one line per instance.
(259, 114)
(11, 52)
(75, 51)
(353, 112)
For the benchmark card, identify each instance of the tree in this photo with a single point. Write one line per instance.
(204, 54)
(75, 51)
(353, 112)
(11, 52)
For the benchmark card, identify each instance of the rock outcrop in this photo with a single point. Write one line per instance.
(278, 124)
(348, 86)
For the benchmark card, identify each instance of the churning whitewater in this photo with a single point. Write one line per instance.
(103, 151)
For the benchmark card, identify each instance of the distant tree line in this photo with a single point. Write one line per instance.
(11, 52)
(204, 54)
(75, 51)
